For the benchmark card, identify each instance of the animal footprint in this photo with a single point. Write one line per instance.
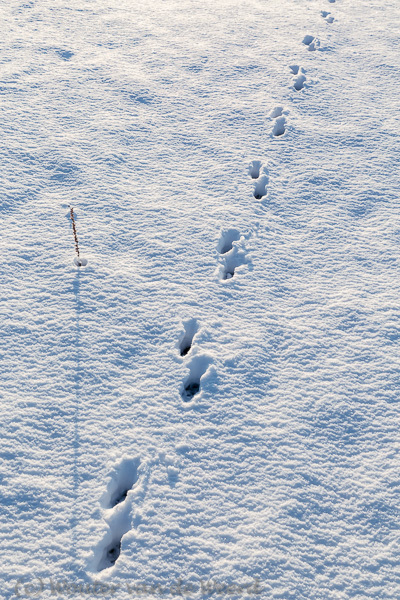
(260, 188)
(191, 385)
(229, 236)
(112, 553)
(254, 169)
(122, 481)
(236, 259)
(311, 42)
(279, 127)
(277, 112)
(299, 79)
(231, 246)
(185, 344)
(325, 15)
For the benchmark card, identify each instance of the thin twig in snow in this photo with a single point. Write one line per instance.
(74, 230)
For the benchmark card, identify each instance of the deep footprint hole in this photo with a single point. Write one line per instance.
(228, 274)
(191, 388)
(191, 328)
(110, 555)
(120, 498)
(192, 384)
(260, 189)
(114, 552)
(126, 478)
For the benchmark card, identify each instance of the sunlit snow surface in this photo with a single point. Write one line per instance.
(214, 396)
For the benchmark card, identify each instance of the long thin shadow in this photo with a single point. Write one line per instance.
(77, 377)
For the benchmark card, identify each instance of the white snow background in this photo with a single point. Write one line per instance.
(281, 472)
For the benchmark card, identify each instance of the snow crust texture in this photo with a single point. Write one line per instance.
(207, 404)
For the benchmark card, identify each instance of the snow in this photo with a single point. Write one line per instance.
(208, 407)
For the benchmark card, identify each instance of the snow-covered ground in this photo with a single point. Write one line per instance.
(210, 406)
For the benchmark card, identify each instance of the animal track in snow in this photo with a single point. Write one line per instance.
(228, 236)
(311, 42)
(277, 112)
(299, 79)
(122, 481)
(254, 169)
(279, 127)
(185, 344)
(325, 15)
(112, 553)
(260, 187)
(191, 385)
(233, 261)
(231, 247)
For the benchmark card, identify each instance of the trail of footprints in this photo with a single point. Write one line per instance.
(197, 366)
(125, 481)
(313, 43)
(126, 490)
(122, 481)
(233, 253)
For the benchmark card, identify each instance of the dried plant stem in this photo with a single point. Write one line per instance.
(74, 230)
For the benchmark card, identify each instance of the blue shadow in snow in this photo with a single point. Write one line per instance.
(77, 379)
